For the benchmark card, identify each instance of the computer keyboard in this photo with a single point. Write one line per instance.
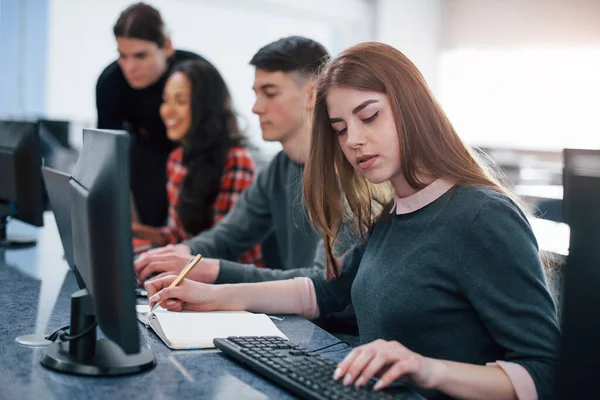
(307, 375)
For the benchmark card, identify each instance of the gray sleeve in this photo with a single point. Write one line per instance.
(249, 222)
(334, 295)
(232, 272)
(505, 282)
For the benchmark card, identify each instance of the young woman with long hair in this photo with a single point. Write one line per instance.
(211, 167)
(447, 283)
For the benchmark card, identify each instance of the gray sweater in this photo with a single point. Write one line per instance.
(272, 204)
(459, 279)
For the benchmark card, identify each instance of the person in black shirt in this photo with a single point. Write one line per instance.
(129, 95)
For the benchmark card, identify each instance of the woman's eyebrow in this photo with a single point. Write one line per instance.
(356, 110)
(362, 105)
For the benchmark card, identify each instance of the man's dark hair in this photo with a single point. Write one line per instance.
(292, 53)
(141, 21)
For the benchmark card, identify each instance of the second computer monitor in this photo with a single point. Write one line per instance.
(579, 371)
(58, 187)
(21, 193)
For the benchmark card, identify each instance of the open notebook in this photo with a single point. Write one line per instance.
(196, 330)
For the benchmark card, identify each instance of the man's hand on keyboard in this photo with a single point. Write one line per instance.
(171, 260)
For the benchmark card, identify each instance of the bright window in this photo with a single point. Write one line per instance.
(526, 98)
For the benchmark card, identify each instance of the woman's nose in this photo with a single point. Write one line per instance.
(356, 138)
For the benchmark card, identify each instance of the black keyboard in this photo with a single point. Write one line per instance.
(307, 375)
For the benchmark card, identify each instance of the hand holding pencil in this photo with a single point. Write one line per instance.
(174, 283)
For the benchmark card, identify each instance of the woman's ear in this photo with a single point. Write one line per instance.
(311, 95)
(167, 48)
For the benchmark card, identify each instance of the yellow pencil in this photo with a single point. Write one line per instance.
(186, 270)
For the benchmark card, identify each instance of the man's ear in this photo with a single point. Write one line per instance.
(311, 95)
(167, 48)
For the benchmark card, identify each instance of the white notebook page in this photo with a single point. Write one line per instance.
(188, 329)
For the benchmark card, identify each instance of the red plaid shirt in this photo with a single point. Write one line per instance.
(238, 175)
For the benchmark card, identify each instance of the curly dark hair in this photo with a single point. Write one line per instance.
(213, 132)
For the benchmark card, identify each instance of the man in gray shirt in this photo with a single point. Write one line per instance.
(285, 95)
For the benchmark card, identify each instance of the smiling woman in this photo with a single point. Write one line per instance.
(211, 167)
(176, 110)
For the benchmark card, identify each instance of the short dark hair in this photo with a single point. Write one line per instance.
(292, 53)
(141, 21)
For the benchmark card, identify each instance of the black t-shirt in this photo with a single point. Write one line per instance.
(137, 111)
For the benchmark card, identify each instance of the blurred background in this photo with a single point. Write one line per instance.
(518, 78)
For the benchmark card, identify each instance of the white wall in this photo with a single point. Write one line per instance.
(414, 28)
(521, 23)
(226, 32)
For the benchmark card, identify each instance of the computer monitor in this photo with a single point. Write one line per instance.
(56, 152)
(57, 128)
(579, 371)
(58, 187)
(21, 193)
(101, 230)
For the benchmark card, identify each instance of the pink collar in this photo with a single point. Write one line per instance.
(423, 197)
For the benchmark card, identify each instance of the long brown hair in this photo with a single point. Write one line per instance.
(427, 142)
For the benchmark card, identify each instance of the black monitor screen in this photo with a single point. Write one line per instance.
(101, 225)
(580, 358)
(20, 163)
(57, 184)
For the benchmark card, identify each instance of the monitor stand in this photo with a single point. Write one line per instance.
(12, 241)
(88, 356)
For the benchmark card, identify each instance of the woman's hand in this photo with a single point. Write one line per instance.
(146, 232)
(188, 295)
(391, 361)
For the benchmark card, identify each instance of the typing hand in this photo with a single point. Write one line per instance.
(171, 260)
(181, 249)
(391, 361)
(188, 295)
